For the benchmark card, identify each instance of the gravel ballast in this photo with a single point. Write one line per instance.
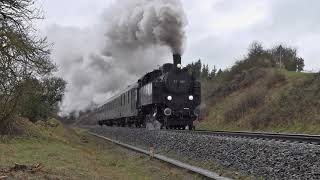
(267, 159)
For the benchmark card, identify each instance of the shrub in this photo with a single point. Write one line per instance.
(275, 77)
(251, 100)
(261, 120)
(300, 102)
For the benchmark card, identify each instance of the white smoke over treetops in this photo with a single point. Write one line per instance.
(133, 37)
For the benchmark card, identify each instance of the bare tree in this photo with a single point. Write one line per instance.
(22, 53)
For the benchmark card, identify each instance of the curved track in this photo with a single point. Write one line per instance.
(301, 138)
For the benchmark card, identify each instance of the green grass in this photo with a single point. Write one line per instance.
(294, 74)
(73, 154)
(297, 126)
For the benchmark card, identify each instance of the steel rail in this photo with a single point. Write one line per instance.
(194, 169)
(301, 138)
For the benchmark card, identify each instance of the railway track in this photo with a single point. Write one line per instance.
(300, 138)
(203, 172)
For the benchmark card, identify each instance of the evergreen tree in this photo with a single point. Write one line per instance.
(213, 72)
(197, 69)
(205, 72)
(219, 72)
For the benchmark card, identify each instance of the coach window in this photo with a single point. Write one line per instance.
(146, 89)
(127, 97)
(150, 89)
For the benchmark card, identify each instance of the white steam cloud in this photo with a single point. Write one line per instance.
(133, 37)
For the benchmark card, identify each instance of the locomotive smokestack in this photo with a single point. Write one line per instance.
(176, 59)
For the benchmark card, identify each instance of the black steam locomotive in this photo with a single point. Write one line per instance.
(164, 98)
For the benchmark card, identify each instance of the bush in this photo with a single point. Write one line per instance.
(251, 76)
(300, 102)
(261, 120)
(251, 100)
(274, 78)
(242, 80)
(40, 98)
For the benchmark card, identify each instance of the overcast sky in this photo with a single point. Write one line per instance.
(219, 31)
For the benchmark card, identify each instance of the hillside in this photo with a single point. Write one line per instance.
(266, 99)
(264, 91)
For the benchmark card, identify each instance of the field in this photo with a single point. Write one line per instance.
(65, 153)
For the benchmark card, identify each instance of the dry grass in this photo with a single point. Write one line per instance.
(290, 105)
(73, 154)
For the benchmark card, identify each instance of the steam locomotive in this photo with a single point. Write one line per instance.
(167, 97)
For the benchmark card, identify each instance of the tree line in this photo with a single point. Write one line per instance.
(27, 86)
(279, 56)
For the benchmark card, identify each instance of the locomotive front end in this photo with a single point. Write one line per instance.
(182, 96)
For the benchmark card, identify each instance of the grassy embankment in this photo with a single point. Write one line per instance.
(264, 100)
(73, 154)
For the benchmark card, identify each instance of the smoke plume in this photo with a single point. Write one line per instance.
(133, 37)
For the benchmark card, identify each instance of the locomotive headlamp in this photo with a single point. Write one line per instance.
(179, 66)
(190, 97)
(169, 98)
